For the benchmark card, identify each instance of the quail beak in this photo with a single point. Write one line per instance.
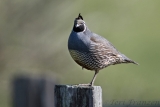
(77, 25)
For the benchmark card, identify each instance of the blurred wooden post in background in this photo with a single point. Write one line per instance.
(78, 96)
(33, 92)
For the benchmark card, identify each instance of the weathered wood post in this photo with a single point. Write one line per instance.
(33, 91)
(77, 96)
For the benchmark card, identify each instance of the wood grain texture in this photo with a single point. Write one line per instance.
(78, 96)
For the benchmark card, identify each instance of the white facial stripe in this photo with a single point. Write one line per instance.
(84, 27)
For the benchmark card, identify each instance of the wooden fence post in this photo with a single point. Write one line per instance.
(77, 96)
(33, 91)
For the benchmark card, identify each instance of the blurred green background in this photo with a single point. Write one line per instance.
(34, 36)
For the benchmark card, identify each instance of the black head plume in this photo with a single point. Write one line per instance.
(79, 16)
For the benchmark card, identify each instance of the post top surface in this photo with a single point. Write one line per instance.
(79, 86)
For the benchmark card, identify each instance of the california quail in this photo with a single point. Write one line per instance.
(92, 51)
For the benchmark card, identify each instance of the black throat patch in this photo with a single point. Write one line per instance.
(79, 29)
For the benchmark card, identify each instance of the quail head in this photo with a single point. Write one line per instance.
(92, 51)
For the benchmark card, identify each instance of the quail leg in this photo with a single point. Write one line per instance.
(92, 82)
(94, 77)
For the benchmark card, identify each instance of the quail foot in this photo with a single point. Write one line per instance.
(92, 51)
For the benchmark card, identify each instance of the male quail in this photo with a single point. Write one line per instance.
(92, 51)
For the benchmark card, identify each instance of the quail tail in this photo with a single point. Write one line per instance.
(127, 60)
(130, 61)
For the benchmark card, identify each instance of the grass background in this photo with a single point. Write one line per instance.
(34, 36)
